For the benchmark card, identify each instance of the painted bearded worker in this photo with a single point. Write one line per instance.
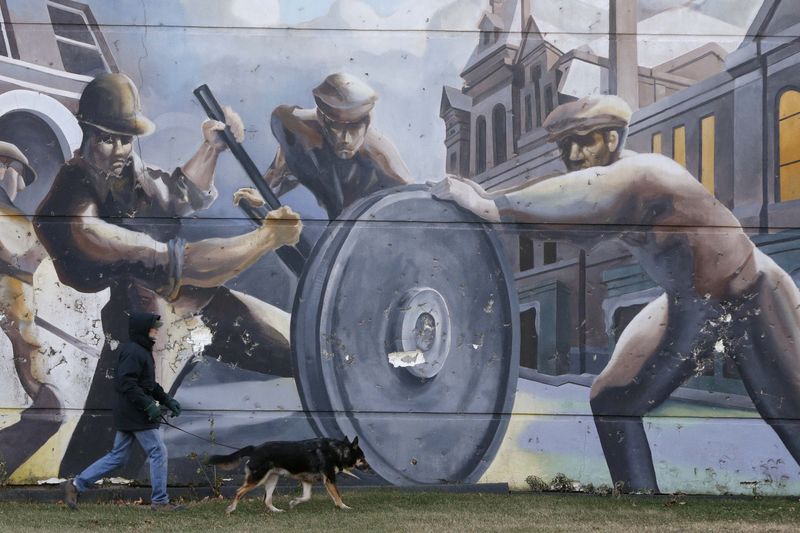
(717, 284)
(21, 253)
(110, 221)
(331, 150)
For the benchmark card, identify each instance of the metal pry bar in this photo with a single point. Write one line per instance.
(293, 257)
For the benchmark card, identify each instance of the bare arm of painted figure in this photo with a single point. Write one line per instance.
(596, 203)
(392, 170)
(205, 263)
(278, 176)
(645, 195)
(200, 168)
(598, 195)
(204, 259)
(20, 250)
(21, 253)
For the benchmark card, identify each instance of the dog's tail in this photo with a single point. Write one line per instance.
(230, 461)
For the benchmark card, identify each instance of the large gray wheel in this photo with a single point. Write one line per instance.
(405, 333)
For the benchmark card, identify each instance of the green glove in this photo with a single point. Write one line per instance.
(173, 405)
(153, 412)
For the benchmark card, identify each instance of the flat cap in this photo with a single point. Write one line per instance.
(587, 114)
(344, 98)
(10, 151)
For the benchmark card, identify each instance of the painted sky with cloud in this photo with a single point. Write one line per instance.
(257, 54)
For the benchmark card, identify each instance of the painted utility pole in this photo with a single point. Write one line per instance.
(622, 51)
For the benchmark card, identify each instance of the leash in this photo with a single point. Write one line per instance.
(195, 435)
(193, 455)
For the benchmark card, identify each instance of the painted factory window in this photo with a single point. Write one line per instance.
(529, 339)
(77, 43)
(526, 259)
(789, 145)
(8, 46)
(707, 132)
(550, 253)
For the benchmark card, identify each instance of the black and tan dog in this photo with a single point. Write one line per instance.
(306, 461)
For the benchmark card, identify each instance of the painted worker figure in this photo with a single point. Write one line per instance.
(332, 150)
(110, 221)
(21, 253)
(717, 284)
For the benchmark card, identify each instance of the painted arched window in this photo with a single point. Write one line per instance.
(549, 101)
(528, 113)
(499, 133)
(789, 145)
(480, 145)
(536, 76)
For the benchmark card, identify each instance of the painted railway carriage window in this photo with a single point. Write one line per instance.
(789, 144)
(655, 143)
(707, 147)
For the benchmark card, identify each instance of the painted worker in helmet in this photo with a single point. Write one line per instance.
(718, 286)
(331, 149)
(110, 221)
(21, 253)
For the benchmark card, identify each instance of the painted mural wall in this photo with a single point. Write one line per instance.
(497, 240)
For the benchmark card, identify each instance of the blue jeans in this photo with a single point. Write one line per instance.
(151, 442)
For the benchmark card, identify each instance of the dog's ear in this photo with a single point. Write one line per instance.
(355, 441)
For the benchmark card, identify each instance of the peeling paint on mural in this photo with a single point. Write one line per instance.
(594, 276)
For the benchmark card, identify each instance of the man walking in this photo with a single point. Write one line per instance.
(136, 415)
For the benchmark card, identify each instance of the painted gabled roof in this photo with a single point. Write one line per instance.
(506, 20)
(533, 38)
(455, 99)
(773, 17)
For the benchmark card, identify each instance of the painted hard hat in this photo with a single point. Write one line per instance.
(11, 152)
(110, 102)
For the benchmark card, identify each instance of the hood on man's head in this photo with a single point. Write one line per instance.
(141, 323)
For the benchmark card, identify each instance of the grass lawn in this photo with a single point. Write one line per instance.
(394, 510)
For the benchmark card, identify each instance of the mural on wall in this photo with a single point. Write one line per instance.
(594, 274)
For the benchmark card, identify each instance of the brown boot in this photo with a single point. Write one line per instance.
(71, 495)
